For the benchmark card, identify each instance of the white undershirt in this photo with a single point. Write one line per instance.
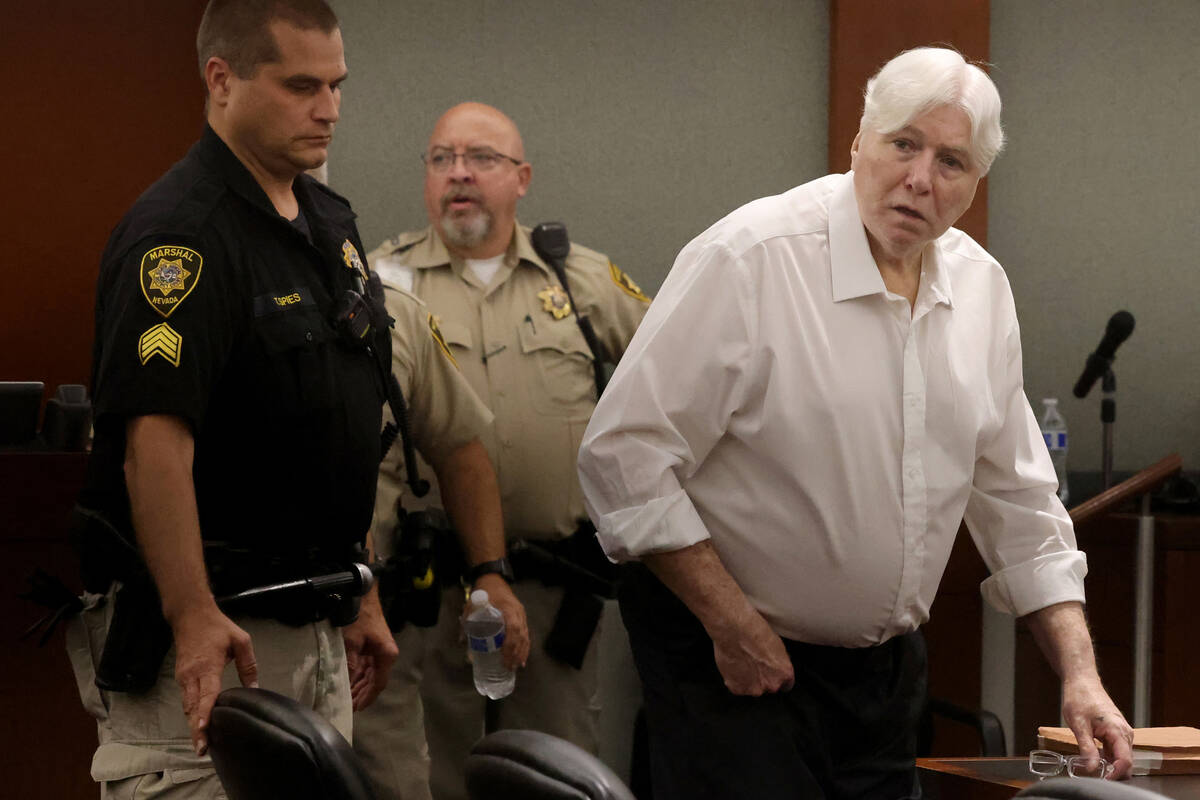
(485, 268)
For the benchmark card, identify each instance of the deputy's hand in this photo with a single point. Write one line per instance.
(205, 641)
(370, 651)
(516, 627)
(752, 658)
(1091, 714)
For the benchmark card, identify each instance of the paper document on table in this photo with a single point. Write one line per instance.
(1174, 751)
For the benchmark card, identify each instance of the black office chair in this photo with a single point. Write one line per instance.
(530, 765)
(265, 745)
(1086, 789)
(987, 727)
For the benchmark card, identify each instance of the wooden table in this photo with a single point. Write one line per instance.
(1001, 778)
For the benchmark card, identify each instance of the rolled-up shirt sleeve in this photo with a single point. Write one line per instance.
(1019, 525)
(668, 404)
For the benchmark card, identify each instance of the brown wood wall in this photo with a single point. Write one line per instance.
(102, 98)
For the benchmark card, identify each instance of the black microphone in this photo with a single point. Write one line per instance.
(551, 242)
(1120, 325)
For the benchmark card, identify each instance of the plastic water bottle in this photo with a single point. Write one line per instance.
(1054, 431)
(484, 627)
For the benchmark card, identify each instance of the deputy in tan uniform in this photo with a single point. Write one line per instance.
(507, 320)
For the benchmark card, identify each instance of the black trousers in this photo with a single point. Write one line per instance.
(846, 730)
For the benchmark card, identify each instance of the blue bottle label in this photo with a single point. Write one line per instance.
(486, 644)
(1055, 440)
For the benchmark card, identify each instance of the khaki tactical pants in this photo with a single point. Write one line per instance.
(431, 697)
(145, 748)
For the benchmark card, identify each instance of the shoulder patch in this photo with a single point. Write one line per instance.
(626, 283)
(161, 340)
(168, 269)
(441, 340)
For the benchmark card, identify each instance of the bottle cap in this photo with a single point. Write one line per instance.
(479, 597)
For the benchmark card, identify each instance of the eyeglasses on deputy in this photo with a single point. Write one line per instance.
(477, 159)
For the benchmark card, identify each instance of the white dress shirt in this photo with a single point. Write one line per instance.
(825, 435)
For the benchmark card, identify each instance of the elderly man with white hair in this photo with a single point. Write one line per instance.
(827, 384)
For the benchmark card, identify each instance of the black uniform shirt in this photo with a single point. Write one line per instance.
(214, 308)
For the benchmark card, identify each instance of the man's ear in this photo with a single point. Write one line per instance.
(218, 79)
(524, 175)
(854, 148)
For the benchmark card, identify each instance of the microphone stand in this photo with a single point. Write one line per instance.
(1108, 415)
(1143, 564)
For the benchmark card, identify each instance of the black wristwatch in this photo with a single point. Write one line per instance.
(500, 567)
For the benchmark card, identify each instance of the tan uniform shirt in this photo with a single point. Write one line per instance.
(517, 343)
(443, 412)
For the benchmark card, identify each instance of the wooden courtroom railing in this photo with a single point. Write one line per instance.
(1143, 483)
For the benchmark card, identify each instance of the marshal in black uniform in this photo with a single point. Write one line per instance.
(214, 309)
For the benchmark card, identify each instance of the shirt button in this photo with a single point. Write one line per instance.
(308, 336)
(500, 393)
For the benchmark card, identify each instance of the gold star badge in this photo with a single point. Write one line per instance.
(168, 276)
(555, 301)
(351, 257)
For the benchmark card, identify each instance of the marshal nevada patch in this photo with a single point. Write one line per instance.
(161, 340)
(168, 275)
(626, 283)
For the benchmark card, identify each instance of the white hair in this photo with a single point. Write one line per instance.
(920, 80)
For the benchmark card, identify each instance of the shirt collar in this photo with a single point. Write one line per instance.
(215, 153)
(853, 269)
(430, 251)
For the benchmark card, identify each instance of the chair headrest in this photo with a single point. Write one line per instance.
(529, 765)
(266, 745)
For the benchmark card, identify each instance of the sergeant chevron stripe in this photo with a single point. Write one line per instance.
(161, 340)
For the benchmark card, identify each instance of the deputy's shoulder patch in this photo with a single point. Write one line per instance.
(626, 283)
(168, 275)
(161, 340)
(441, 340)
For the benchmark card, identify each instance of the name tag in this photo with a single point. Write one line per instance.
(282, 301)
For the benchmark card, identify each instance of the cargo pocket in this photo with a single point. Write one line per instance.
(563, 364)
(147, 770)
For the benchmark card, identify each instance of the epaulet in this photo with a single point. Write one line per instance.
(186, 217)
(324, 189)
(402, 243)
(585, 258)
(402, 292)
